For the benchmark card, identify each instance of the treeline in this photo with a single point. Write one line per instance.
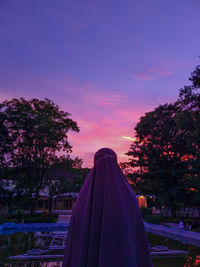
(33, 136)
(165, 154)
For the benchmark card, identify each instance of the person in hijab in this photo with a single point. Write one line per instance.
(106, 227)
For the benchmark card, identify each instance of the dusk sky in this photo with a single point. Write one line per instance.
(106, 62)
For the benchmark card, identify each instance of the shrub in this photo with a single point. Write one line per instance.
(146, 211)
(154, 219)
(41, 219)
(36, 218)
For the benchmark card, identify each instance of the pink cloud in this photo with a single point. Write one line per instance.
(104, 129)
(110, 100)
(97, 136)
(103, 117)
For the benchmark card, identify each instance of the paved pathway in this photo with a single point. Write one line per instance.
(184, 236)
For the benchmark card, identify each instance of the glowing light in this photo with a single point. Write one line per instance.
(130, 182)
(128, 138)
(141, 197)
(142, 201)
(192, 189)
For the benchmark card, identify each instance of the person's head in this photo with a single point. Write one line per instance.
(105, 152)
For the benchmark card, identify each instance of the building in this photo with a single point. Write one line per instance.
(62, 202)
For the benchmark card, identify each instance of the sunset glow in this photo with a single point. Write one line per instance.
(105, 66)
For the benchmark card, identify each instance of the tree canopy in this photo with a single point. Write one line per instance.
(166, 152)
(33, 133)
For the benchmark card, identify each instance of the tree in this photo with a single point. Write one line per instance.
(77, 163)
(5, 152)
(59, 178)
(64, 175)
(156, 154)
(188, 122)
(188, 119)
(166, 152)
(38, 130)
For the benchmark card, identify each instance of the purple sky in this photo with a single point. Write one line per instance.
(105, 62)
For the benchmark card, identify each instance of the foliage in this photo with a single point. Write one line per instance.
(166, 152)
(34, 132)
(157, 153)
(146, 211)
(41, 219)
(26, 218)
(188, 122)
(5, 151)
(153, 219)
(64, 175)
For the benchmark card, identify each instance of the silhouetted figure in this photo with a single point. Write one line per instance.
(106, 228)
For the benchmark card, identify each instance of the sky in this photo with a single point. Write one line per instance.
(105, 62)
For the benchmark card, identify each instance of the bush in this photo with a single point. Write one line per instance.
(154, 219)
(5, 220)
(19, 215)
(36, 218)
(39, 218)
(146, 211)
(196, 230)
(33, 220)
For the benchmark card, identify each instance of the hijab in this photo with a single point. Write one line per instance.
(106, 227)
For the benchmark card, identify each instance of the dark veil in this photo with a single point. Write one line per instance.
(106, 228)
